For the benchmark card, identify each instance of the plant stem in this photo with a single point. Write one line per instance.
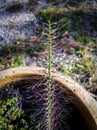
(49, 75)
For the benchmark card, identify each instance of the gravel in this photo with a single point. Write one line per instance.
(19, 25)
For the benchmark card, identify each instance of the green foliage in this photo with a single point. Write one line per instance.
(16, 61)
(11, 54)
(83, 39)
(11, 116)
(14, 49)
(83, 51)
(83, 65)
(31, 49)
(69, 70)
(8, 49)
(86, 63)
(71, 51)
(52, 13)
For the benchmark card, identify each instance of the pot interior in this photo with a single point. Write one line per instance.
(32, 94)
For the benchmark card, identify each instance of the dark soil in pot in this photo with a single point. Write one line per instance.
(32, 95)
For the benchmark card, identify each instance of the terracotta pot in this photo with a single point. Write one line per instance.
(81, 98)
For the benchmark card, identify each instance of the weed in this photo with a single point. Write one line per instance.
(16, 61)
(71, 51)
(11, 116)
(83, 51)
(14, 49)
(8, 49)
(52, 13)
(84, 39)
(69, 69)
(10, 54)
(85, 66)
(31, 49)
(86, 63)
